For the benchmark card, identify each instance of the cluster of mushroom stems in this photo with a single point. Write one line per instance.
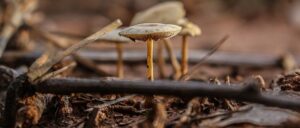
(159, 22)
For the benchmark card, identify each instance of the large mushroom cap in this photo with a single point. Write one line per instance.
(153, 31)
(167, 12)
(189, 28)
(114, 37)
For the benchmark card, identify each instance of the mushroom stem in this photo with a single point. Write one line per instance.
(173, 59)
(150, 59)
(161, 60)
(184, 59)
(120, 70)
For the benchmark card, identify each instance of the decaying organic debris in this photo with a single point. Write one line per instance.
(45, 81)
(25, 103)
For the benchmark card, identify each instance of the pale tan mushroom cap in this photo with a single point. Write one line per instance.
(153, 31)
(167, 12)
(114, 37)
(189, 29)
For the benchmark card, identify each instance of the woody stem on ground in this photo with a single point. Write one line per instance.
(120, 69)
(138, 57)
(184, 59)
(249, 92)
(173, 59)
(150, 74)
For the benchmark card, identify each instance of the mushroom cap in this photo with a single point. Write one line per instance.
(189, 28)
(167, 12)
(153, 31)
(114, 37)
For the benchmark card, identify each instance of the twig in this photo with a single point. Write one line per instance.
(248, 93)
(106, 104)
(37, 69)
(64, 43)
(10, 110)
(212, 51)
(55, 73)
(138, 57)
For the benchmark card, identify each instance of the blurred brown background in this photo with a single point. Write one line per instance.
(261, 26)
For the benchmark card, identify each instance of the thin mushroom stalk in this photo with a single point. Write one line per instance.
(188, 29)
(173, 59)
(120, 67)
(184, 60)
(150, 74)
(118, 41)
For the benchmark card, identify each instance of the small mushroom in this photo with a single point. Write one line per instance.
(150, 32)
(114, 37)
(188, 29)
(167, 12)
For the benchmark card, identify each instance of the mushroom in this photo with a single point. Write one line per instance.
(188, 29)
(168, 13)
(114, 37)
(150, 32)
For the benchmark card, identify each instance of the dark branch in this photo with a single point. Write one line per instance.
(137, 57)
(249, 93)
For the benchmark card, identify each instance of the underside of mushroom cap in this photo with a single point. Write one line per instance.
(167, 12)
(114, 37)
(153, 31)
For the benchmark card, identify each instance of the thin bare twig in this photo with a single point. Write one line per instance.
(194, 69)
(106, 104)
(62, 43)
(55, 73)
(37, 69)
